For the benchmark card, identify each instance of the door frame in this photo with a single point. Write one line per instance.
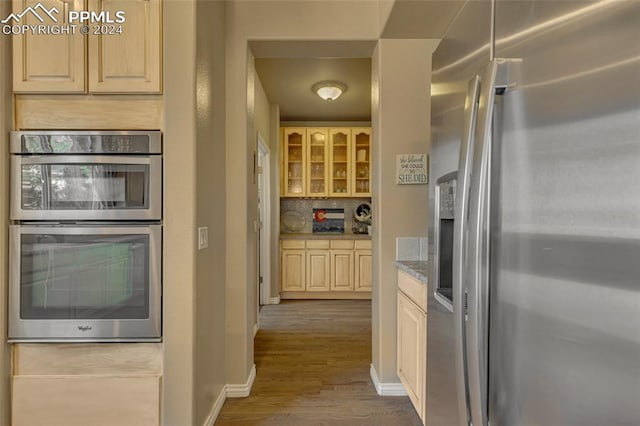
(264, 221)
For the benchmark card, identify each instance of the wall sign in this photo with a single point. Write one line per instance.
(411, 169)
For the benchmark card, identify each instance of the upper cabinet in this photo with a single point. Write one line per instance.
(294, 157)
(361, 154)
(340, 157)
(93, 57)
(317, 165)
(48, 63)
(321, 162)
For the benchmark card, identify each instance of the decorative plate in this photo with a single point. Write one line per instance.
(362, 213)
(292, 221)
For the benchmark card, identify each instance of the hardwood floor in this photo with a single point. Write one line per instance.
(312, 360)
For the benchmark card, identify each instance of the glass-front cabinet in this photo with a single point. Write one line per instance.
(340, 163)
(317, 166)
(326, 162)
(361, 153)
(294, 161)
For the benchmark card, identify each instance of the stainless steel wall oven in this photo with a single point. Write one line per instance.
(86, 239)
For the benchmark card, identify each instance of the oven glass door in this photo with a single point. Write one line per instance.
(87, 187)
(85, 273)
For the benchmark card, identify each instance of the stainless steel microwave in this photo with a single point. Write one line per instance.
(86, 175)
(85, 282)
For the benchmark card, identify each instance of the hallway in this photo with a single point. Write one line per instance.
(312, 360)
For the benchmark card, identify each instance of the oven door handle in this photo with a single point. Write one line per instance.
(84, 159)
(86, 230)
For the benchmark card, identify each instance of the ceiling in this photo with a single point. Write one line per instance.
(288, 69)
(287, 82)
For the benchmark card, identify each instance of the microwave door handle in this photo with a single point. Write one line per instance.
(459, 245)
(85, 159)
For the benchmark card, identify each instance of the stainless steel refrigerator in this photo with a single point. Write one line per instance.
(534, 296)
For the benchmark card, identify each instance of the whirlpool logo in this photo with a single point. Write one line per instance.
(85, 328)
(50, 21)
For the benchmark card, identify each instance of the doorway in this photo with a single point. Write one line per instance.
(264, 223)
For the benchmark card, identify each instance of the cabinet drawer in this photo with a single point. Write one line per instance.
(292, 244)
(413, 289)
(317, 244)
(342, 244)
(363, 244)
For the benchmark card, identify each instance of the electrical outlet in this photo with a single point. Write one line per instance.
(203, 238)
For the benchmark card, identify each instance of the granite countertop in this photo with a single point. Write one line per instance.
(416, 268)
(325, 236)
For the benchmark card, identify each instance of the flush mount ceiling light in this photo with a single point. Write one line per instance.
(329, 90)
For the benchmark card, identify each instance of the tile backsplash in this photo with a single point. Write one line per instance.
(305, 207)
(412, 248)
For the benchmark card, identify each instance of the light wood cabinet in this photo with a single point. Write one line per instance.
(342, 270)
(48, 63)
(326, 162)
(412, 341)
(363, 269)
(318, 270)
(89, 383)
(325, 267)
(340, 163)
(361, 154)
(317, 165)
(294, 158)
(112, 58)
(129, 62)
(293, 270)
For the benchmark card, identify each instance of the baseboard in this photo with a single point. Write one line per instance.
(386, 389)
(275, 300)
(242, 390)
(215, 410)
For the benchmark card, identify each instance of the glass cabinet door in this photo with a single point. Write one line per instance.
(340, 154)
(317, 162)
(361, 177)
(294, 160)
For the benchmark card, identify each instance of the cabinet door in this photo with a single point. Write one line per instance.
(340, 163)
(318, 271)
(293, 270)
(317, 164)
(341, 270)
(129, 62)
(48, 63)
(363, 270)
(294, 156)
(361, 155)
(411, 351)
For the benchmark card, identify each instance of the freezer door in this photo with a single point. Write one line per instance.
(565, 250)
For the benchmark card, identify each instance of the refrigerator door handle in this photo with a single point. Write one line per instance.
(495, 80)
(459, 245)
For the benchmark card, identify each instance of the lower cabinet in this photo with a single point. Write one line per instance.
(412, 342)
(293, 269)
(327, 268)
(101, 384)
(318, 270)
(363, 269)
(342, 277)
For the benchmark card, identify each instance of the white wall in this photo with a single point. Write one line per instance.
(194, 194)
(210, 330)
(400, 125)
(178, 399)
